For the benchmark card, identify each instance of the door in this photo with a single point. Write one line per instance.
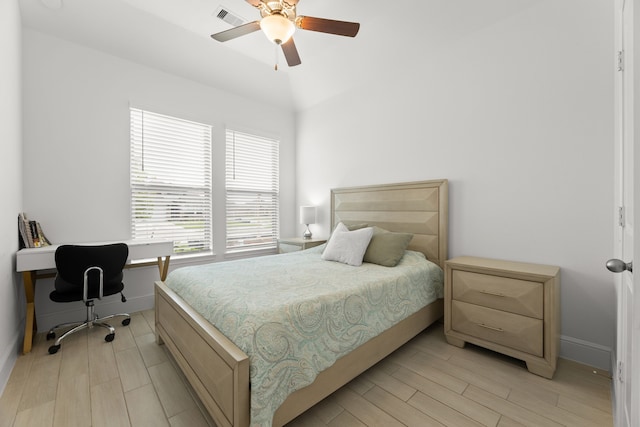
(627, 377)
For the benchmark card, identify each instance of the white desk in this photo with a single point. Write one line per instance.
(32, 260)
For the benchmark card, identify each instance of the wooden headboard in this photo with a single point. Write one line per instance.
(420, 208)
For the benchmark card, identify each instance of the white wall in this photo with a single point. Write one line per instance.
(76, 148)
(518, 115)
(11, 293)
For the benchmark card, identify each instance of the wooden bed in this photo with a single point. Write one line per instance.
(219, 371)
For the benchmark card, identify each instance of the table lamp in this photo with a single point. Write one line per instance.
(307, 216)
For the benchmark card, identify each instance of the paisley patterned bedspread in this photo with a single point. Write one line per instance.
(294, 314)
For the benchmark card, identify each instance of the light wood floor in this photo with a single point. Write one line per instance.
(132, 382)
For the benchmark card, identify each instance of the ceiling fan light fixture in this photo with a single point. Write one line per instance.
(277, 28)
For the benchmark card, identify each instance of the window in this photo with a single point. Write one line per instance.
(171, 181)
(252, 191)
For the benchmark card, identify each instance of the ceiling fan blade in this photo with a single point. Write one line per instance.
(291, 53)
(232, 33)
(341, 28)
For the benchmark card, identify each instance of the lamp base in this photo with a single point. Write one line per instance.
(307, 233)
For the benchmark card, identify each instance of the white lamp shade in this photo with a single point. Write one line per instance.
(277, 28)
(307, 214)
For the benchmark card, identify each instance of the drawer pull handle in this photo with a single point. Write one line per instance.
(496, 294)
(493, 328)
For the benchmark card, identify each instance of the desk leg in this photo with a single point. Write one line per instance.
(29, 281)
(163, 266)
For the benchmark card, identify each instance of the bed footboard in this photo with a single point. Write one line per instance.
(218, 370)
(359, 360)
(215, 367)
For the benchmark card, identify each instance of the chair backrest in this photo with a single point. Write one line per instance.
(73, 260)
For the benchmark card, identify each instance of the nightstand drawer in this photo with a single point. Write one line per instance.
(502, 293)
(511, 330)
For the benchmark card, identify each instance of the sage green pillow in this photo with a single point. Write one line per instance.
(355, 226)
(386, 248)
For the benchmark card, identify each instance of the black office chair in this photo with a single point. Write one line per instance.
(84, 274)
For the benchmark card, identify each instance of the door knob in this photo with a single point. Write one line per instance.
(618, 266)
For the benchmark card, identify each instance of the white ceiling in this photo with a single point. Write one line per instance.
(174, 36)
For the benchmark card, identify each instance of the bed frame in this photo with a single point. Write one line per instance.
(218, 370)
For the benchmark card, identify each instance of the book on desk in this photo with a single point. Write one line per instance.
(30, 234)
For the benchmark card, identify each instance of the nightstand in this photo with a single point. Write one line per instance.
(509, 307)
(291, 244)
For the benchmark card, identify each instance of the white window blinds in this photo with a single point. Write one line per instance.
(171, 181)
(252, 191)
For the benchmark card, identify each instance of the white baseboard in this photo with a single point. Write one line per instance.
(586, 352)
(9, 356)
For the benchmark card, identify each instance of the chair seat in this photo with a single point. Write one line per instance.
(76, 294)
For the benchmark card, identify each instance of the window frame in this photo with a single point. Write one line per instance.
(238, 144)
(172, 172)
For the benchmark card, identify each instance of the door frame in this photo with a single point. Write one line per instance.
(626, 375)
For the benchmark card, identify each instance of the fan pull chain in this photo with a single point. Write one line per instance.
(276, 55)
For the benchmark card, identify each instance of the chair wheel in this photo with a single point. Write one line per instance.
(109, 337)
(126, 321)
(54, 349)
(51, 335)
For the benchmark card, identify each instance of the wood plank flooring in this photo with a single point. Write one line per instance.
(133, 382)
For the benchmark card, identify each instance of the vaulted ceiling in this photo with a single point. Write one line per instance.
(174, 36)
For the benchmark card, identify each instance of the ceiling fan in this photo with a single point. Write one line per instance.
(280, 20)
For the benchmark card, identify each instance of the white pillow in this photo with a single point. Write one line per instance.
(347, 247)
